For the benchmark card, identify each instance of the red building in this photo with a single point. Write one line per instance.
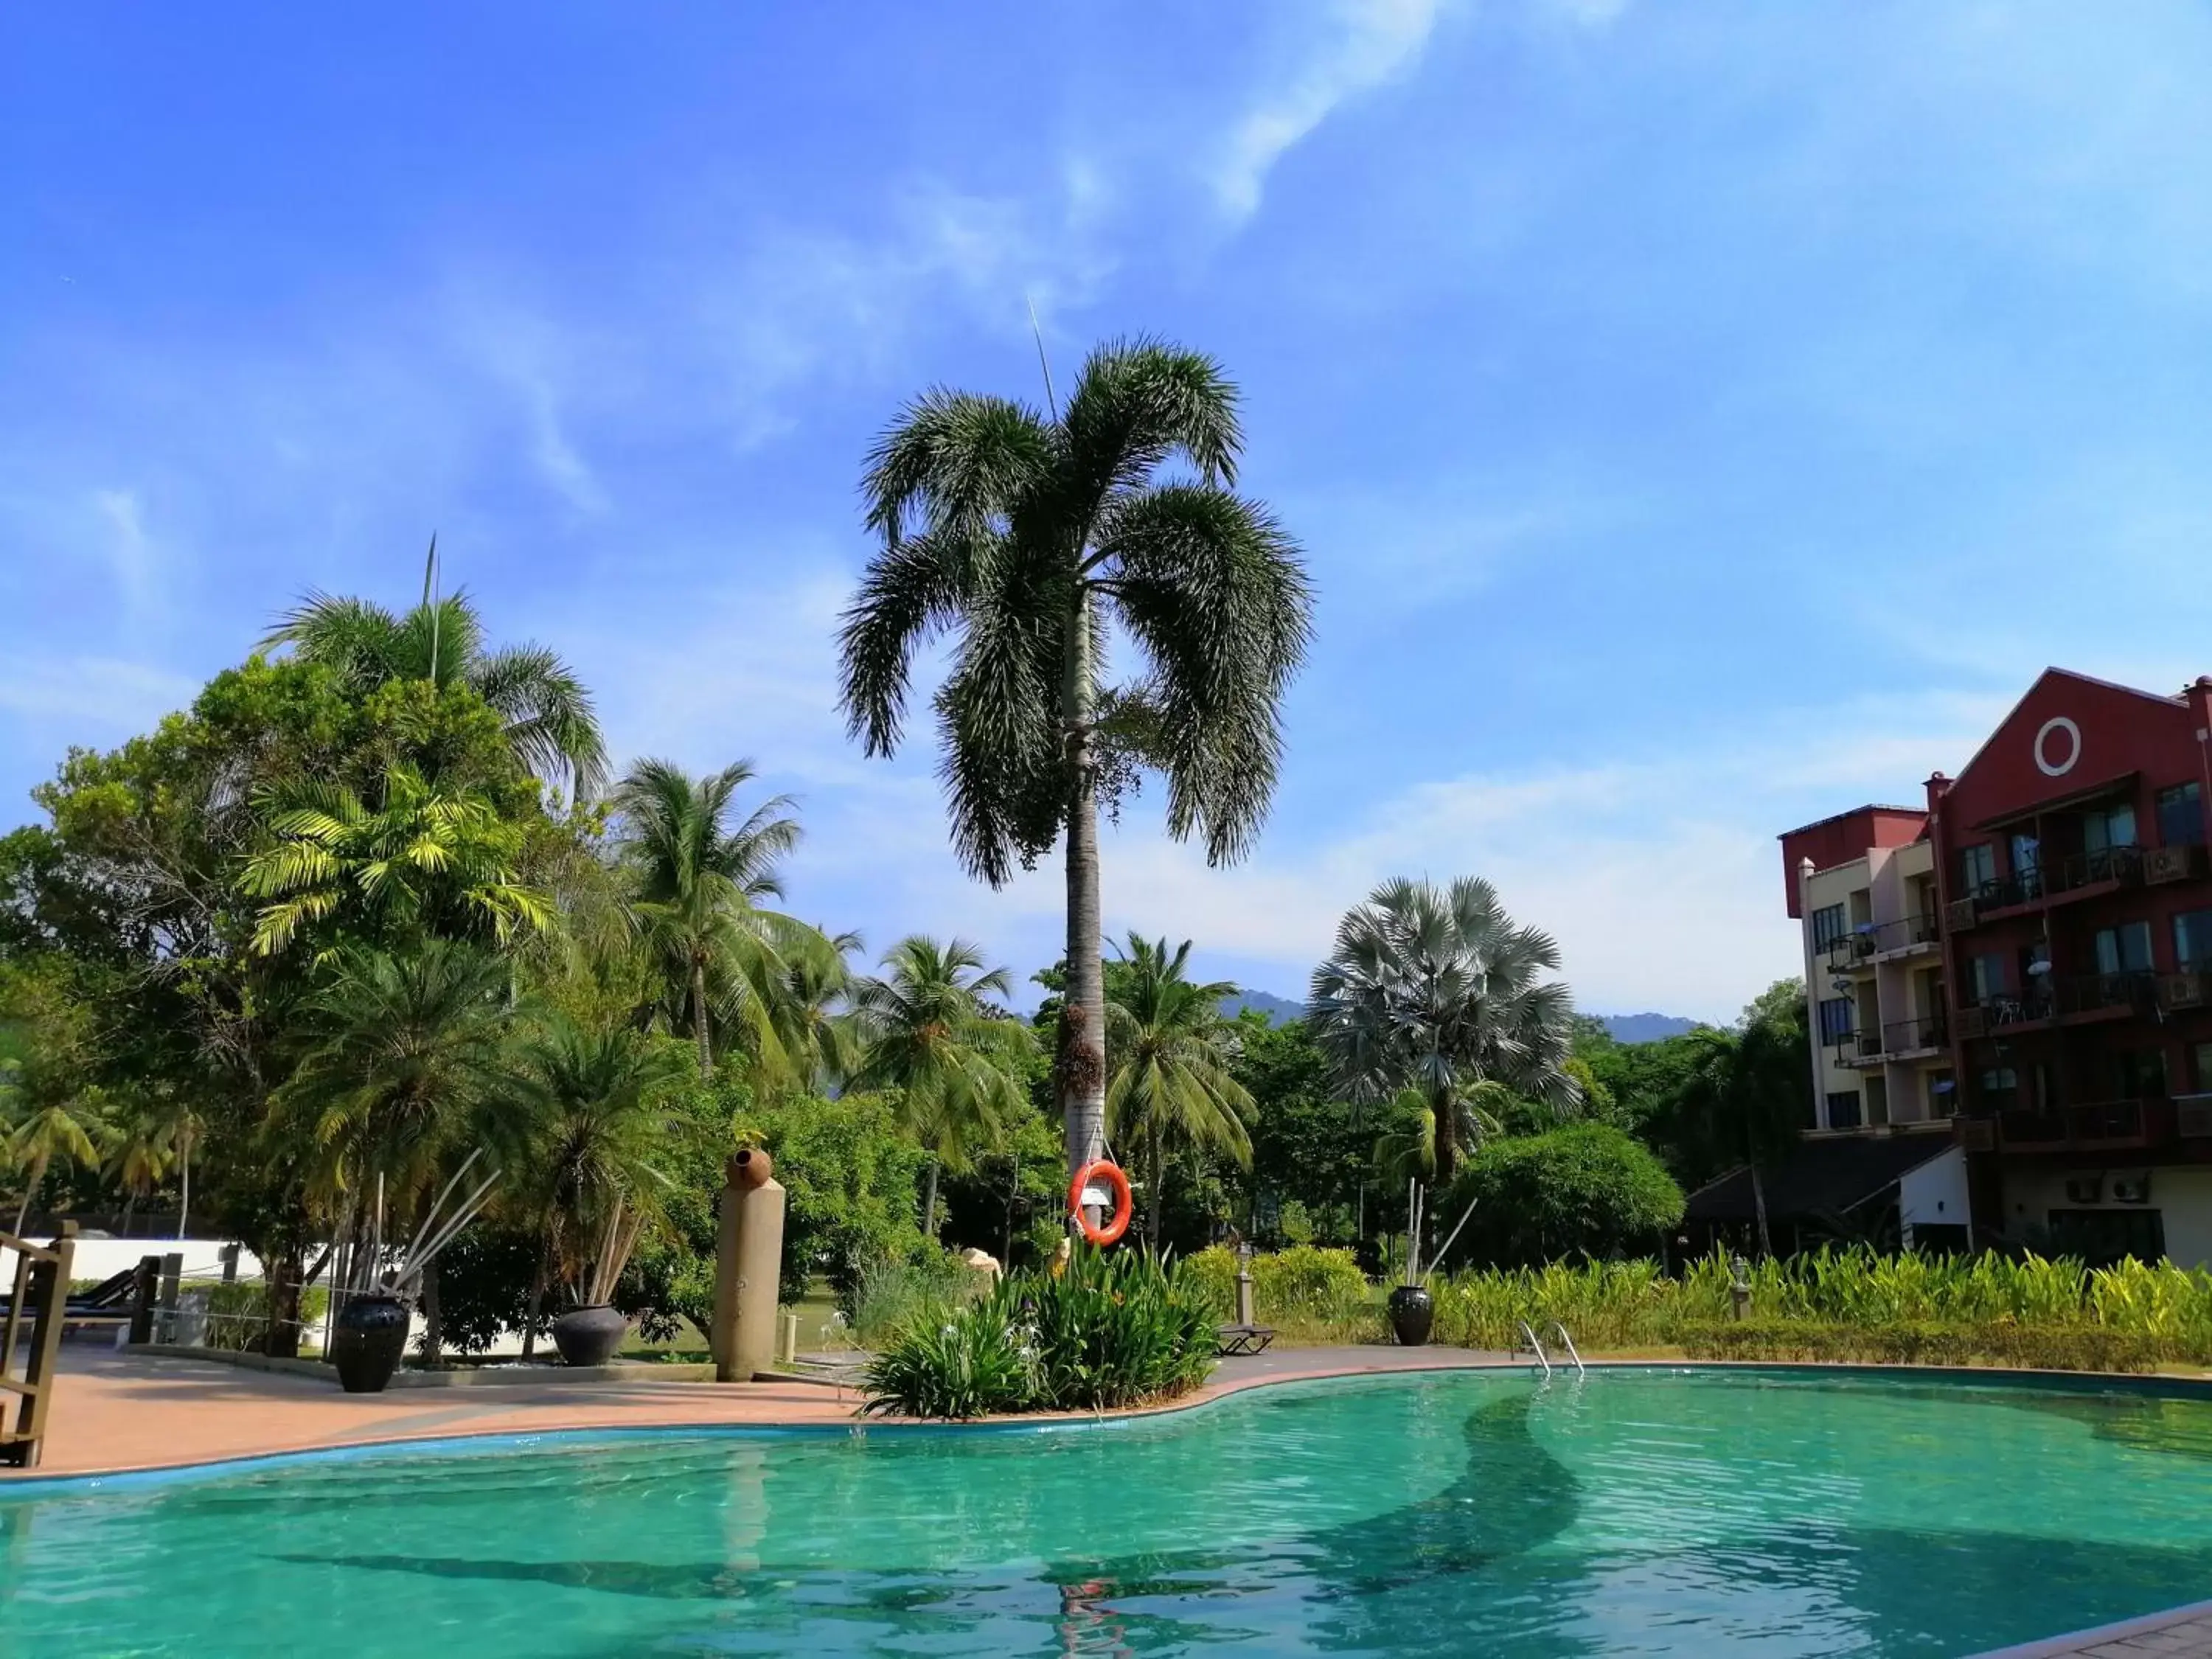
(2076, 904)
(2010, 994)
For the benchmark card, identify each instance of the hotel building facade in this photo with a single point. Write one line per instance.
(2016, 980)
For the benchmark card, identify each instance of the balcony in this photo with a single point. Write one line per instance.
(2107, 996)
(2005, 1012)
(2086, 875)
(1998, 897)
(2180, 992)
(2092, 1127)
(1902, 1039)
(1858, 1049)
(2162, 865)
(1848, 951)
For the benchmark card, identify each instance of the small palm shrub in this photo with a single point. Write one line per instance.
(1115, 1329)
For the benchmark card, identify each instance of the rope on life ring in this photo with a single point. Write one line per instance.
(1124, 1206)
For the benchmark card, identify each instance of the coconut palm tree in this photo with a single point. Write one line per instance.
(1408, 1150)
(1748, 1093)
(44, 1131)
(1032, 536)
(813, 1023)
(593, 1140)
(1168, 1085)
(1435, 990)
(550, 724)
(139, 1152)
(925, 1031)
(699, 884)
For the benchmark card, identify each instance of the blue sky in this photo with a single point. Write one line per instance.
(1700, 418)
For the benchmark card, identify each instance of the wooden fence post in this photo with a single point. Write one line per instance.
(48, 1293)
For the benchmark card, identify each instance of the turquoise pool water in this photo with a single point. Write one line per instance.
(1775, 1514)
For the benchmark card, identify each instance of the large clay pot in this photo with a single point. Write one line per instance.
(590, 1336)
(1412, 1312)
(371, 1335)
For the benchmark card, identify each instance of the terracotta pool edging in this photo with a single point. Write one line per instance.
(2083, 1641)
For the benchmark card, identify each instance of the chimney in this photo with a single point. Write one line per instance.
(2199, 696)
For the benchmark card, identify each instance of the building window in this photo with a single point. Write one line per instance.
(1844, 1109)
(2102, 1238)
(1985, 980)
(2140, 1073)
(2104, 827)
(1835, 1019)
(2201, 1058)
(1978, 869)
(2181, 816)
(2124, 950)
(2027, 865)
(2192, 941)
(2000, 1089)
(1828, 925)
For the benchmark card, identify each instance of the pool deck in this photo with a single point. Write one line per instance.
(2179, 1633)
(118, 1412)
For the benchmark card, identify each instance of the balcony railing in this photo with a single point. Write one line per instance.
(2089, 1126)
(2192, 1116)
(1858, 1049)
(2107, 865)
(1996, 1013)
(1873, 938)
(1905, 1036)
(2098, 994)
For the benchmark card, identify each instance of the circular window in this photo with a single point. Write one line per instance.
(2055, 759)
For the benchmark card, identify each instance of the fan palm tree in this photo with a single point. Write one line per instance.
(1169, 1083)
(925, 1031)
(550, 724)
(431, 858)
(699, 884)
(1435, 990)
(594, 1138)
(1031, 537)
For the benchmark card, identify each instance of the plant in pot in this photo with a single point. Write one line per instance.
(1412, 1309)
(591, 1332)
(376, 1302)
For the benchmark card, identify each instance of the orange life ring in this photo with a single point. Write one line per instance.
(1124, 1205)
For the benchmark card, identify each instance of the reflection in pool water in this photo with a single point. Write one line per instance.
(1670, 1512)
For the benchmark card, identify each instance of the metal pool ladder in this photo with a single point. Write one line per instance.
(1560, 1330)
(1537, 1348)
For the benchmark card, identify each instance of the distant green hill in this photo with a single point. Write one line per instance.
(1279, 1010)
(1625, 1028)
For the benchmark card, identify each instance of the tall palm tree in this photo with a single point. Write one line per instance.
(1170, 1083)
(925, 1030)
(49, 1129)
(139, 1152)
(593, 1142)
(812, 1021)
(1438, 989)
(698, 904)
(1032, 536)
(1748, 1093)
(550, 724)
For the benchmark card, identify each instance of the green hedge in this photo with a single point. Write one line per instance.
(2041, 1347)
(1305, 1292)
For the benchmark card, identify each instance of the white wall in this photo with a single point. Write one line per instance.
(1934, 1194)
(103, 1258)
(2181, 1195)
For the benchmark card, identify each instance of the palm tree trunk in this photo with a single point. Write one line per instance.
(538, 1280)
(929, 1203)
(1759, 1204)
(129, 1205)
(184, 1194)
(699, 1019)
(31, 1192)
(1447, 1134)
(1079, 1070)
(1157, 1198)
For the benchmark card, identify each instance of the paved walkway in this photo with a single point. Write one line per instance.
(115, 1411)
(2183, 1633)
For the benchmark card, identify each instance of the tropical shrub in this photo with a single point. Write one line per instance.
(1114, 1330)
(894, 1298)
(1920, 1342)
(1583, 1189)
(1303, 1292)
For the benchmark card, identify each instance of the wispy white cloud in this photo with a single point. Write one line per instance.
(1361, 45)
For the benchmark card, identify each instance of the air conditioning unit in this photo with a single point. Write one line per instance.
(2163, 863)
(2180, 991)
(2085, 1188)
(1973, 1023)
(1960, 914)
(2193, 1118)
(2134, 1189)
(1975, 1134)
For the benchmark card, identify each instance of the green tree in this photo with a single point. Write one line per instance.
(1170, 1086)
(1407, 1151)
(1437, 990)
(1749, 1093)
(139, 1152)
(593, 1146)
(546, 710)
(1034, 538)
(1581, 1189)
(949, 1060)
(724, 958)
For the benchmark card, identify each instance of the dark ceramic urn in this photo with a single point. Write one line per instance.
(371, 1334)
(590, 1336)
(1412, 1312)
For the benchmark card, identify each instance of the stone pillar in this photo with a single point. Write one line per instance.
(748, 1267)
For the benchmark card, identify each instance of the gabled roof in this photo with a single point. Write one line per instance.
(2044, 678)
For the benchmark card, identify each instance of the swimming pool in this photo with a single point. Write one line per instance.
(1782, 1514)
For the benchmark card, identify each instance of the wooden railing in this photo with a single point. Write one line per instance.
(41, 1286)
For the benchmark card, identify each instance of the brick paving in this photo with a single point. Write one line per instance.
(2183, 1633)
